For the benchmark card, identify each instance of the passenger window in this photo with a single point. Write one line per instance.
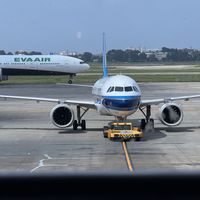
(119, 89)
(128, 89)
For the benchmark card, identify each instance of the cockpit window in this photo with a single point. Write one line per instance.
(112, 89)
(82, 62)
(135, 89)
(128, 89)
(109, 89)
(119, 89)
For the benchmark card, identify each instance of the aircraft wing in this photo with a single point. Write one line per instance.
(77, 85)
(87, 104)
(167, 100)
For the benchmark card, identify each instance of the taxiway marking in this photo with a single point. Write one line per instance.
(128, 160)
(41, 162)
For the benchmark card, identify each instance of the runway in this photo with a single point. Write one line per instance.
(30, 143)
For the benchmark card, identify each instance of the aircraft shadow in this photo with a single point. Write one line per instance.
(72, 132)
(153, 134)
(157, 133)
(179, 129)
(79, 131)
(26, 128)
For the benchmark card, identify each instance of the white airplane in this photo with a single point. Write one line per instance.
(117, 96)
(40, 65)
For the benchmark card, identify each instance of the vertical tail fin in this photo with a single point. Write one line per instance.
(105, 69)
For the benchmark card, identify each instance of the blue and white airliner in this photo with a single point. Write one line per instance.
(118, 96)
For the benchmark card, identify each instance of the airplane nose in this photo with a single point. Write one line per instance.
(87, 66)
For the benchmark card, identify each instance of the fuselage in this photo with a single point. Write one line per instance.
(118, 95)
(41, 64)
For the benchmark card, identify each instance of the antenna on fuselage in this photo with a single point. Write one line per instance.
(105, 69)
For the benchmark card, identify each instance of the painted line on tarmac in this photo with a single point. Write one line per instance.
(128, 160)
(41, 162)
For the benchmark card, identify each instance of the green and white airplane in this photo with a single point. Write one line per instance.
(11, 65)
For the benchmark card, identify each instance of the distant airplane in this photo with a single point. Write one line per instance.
(118, 96)
(11, 65)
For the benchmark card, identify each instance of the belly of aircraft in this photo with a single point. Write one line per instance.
(120, 113)
(15, 71)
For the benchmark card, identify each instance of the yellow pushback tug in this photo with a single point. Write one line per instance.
(123, 131)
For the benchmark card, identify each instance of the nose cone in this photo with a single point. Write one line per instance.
(82, 66)
(86, 66)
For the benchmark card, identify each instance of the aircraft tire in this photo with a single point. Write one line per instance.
(75, 125)
(151, 121)
(137, 139)
(83, 124)
(143, 124)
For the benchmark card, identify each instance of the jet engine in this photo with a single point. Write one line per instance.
(171, 114)
(62, 116)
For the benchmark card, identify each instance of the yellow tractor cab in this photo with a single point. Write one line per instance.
(123, 131)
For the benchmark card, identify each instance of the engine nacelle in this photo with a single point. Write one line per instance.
(62, 116)
(3, 77)
(171, 114)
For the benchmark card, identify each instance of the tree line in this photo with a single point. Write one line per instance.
(2, 52)
(115, 56)
(131, 56)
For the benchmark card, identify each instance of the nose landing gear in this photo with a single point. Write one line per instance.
(70, 81)
(71, 76)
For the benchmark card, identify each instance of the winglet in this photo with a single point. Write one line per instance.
(105, 69)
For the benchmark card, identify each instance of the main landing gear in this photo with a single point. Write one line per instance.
(147, 121)
(71, 76)
(79, 122)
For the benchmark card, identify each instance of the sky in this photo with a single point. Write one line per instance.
(77, 25)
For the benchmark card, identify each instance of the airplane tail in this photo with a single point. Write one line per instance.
(105, 69)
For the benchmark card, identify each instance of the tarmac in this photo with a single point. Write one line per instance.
(30, 143)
